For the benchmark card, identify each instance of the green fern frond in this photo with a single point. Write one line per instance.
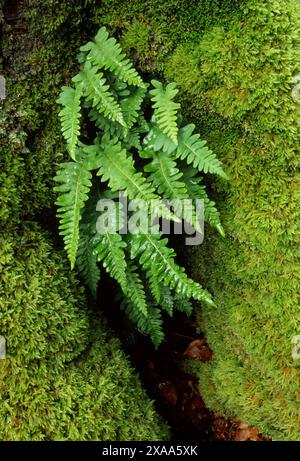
(182, 304)
(167, 300)
(155, 256)
(132, 139)
(154, 286)
(75, 183)
(165, 176)
(106, 53)
(87, 257)
(136, 292)
(165, 109)
(110, 251)
(131, 106)
(70, 116)
(106, 125)
(118, 169)
(96, 90)
(150, 325)
(197, 191)
(158, 141)
(192, 149)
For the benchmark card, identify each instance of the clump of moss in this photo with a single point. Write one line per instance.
(64, 376)
(245, 76)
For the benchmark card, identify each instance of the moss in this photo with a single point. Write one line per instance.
(64, 376)
(245, 73)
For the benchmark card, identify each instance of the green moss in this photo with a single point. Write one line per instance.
(64, 376)
(245, 74)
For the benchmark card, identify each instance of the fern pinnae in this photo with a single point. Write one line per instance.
(70, 116)
(75, 183)
(110, 250)
(154, 255)
(106, 53)
(165, 109)
(192, 149)
(197, 191)
(96, 90)
(131, 106)
(150, 325)
(136, 292)
(87, 259)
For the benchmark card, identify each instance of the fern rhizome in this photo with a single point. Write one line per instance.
(135, 145)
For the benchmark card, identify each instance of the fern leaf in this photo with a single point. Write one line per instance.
(106, 53)
(167, 301)
(96, 90)
(182, 304)
(118, 169)
(131, 106)
(70, 116)
(192, 149)
(75, 183)
(87, 258)
(197, 191)
(155, 286)
(155, 256)
(106, 125)
(110, 250)
(165, 176)
(150, 325)
(165, 109)
(158, 141)
(135, 290)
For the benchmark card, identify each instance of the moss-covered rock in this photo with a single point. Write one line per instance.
(64, 376)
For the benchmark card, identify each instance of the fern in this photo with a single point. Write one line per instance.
(195, 152)
(110, 251)
(75, 183)
(155, 256)
(134, 145)
(197, 191)
(131, 106)
(165, 109)
(150, 325)
(158, 141)
(118, 169)
(70, 116)
(96, 90)
(106, 53)
(136, 292)
(87, 258)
